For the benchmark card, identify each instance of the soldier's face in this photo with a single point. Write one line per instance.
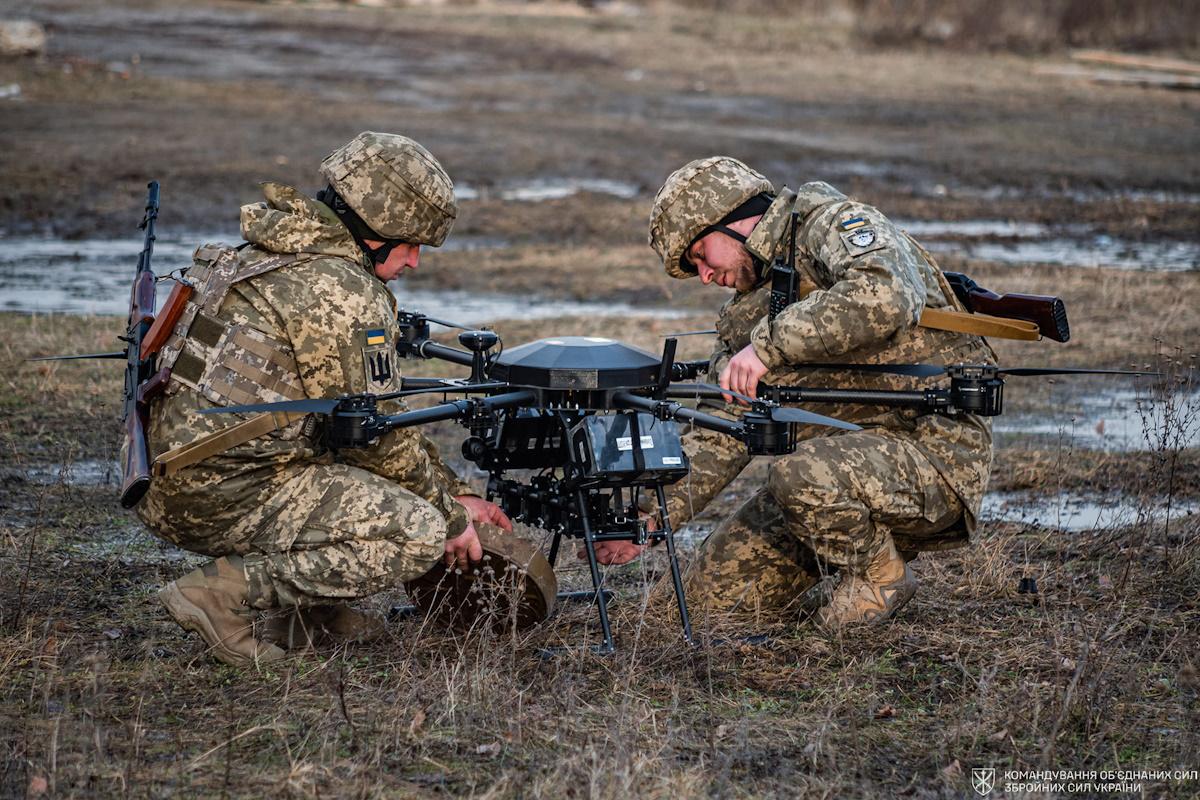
(402, 257)
(722, 260)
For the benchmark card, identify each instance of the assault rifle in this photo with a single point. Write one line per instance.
(1048, 313)
(142, 383)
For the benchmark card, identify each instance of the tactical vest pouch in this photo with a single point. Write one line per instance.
(228, 363)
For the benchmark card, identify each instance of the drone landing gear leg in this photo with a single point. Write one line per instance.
(676, 578)
(589, 545)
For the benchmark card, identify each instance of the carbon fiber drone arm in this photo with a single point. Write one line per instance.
(759, 429)
(670, 410)
(456, 409)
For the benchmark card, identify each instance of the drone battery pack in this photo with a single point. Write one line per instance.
(628, 448)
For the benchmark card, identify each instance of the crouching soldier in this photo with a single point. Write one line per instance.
(863, 502)
(302, 311)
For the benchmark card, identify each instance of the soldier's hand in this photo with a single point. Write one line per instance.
(483, 512)
(742, 373)
(463, 549)
(614, 552)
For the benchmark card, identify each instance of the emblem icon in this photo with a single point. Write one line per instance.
(983, 780)
(862, 238)
(379, 365)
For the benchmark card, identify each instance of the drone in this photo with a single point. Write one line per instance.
(591, 424)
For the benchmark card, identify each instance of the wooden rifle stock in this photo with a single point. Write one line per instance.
(164, 323)
(135, 466)
(1047, 312)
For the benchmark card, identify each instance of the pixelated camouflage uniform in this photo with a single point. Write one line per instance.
(311, 527)
(918, 477)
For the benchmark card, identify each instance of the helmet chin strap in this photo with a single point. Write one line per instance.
(358, 228)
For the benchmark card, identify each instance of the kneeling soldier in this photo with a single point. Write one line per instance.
(862, 502)
(302, 311)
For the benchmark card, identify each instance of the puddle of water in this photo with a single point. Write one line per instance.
(1120, 420)
(133, 546)
(1072, 512)
(89, 276)
(1098, 251)
(476, 309)
(77, 473)
(537, 190)
(974, 228)
(1004, 192)
(44, 275)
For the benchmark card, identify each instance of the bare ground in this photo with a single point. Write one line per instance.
(102, 695)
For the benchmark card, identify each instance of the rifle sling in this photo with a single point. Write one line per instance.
(979, 324)
(172, 461)
(943, 319)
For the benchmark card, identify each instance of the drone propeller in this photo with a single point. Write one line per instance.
(121, 354)
(442, 389)
(447, 324)
(689, 333)
(328, 405)
(325, 406)
(775, 412)
(935, 370)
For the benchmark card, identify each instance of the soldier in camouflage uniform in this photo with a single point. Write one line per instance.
(864, 502)
(303, 312)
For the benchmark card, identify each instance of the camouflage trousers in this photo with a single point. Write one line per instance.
(845, 495)
(310, 534)
(751, 563)
(831, 504)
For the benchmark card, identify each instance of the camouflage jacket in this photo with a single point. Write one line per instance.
(338, 322)
(864, 286)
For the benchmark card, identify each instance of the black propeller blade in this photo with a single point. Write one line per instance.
(1072, 371)
(443, 388)
(294, 406)
(935, 370)
(911, 370)
(327, 405)
(778, 413)
(73, 358)
(447, 324)
(688, 333)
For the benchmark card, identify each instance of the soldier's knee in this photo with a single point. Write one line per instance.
(422, 529)
(795, 491)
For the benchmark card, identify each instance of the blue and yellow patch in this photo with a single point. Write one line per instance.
(376, 336)
(852, 223)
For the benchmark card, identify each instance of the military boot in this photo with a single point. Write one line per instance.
(874, 596)
(302, 628)
(211, 601)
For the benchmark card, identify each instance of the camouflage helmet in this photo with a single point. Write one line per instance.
(694, 197)
(396, 186)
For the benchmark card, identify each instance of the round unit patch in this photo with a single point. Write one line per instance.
(862, 238)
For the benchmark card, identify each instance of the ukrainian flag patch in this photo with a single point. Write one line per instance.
(376, 336)
(852, 223)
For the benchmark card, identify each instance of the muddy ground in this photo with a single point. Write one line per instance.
(104, 696)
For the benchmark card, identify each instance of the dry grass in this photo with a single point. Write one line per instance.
(104, 696)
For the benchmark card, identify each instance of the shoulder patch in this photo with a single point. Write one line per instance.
(852, 222)
(380, 372)
(862, 240)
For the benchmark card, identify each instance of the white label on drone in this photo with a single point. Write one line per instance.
(597, 339)
(626, 442)
(672, 461)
